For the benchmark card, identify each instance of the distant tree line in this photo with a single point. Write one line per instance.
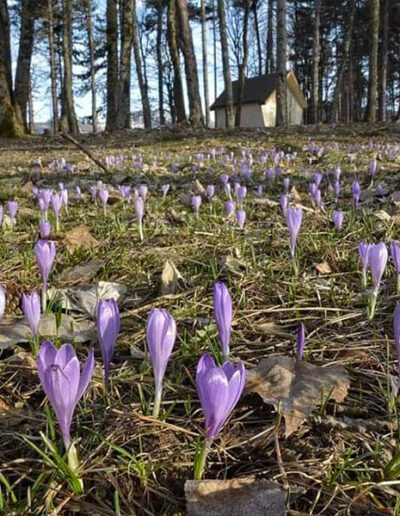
(345, 54)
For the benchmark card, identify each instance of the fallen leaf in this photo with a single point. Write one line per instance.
(297, 387)
(236, 497)
(171, 279)
(16, 330)
(382, 215)
(174, 217)
(323, 268)
(295, 195)
(80, 237)
(83, 273)
(233, 265)
(198, 188)
(84, 300)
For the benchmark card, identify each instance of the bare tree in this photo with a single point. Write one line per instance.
(205, 61)
(384, 62)
(53, 66)
(373, 61)
(93, 87)
(230, 112)
(270, 61)
(316, 61)
(281, 42)
(160, 66)
(112, 64)
(243, 64)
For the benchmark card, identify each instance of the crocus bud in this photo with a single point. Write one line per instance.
(161, 336)
(139, 208)
(373, 166)
(286, 184)
(301, 341)
(31, 309)
(363, 251)
(108, 323)
(143, 191)
(103, 196)
(336, 189)
(377, 260)
(1, 215)
(338, 218)
(44, 228)
(223, 316)
(284, 202)
(241, 218)
(2, 301)
(196, 203)
(380, 192)
(356, 191)
(12, 207)
(294, 217)
(210, 191)
(230, 208)
(45, 252)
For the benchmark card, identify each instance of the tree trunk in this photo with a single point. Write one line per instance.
(187, 48)
(351, 8)
(68, 115)
(112, 64)
(11, 124)
(139, 72)
(243, 65)
(316, 61)
(384, 62)
(160, 67)
(123, 116)
(53, 67)
(373, 61)
(174, 53)
(270, 62)
(93, 88)
(215, 49)
(281, 42)
(254, 5)
(23, 72)
(230, 111)
(205, 61)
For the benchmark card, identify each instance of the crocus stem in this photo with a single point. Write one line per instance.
(57, 224)
(364, 279)
(200, 460)
(372, 304)
(44, 298)
(157, 402)
(295, 266)
(73, 462)
(141, 231)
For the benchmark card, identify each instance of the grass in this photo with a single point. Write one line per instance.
(343, 460)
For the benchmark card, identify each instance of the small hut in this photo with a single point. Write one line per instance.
(259, 102)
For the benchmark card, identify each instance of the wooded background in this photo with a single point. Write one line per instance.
(345, 54)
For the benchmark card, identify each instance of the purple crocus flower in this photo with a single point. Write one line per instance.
(196, 203)
(363, 251)
(56, 205)
(301, 341)
(336, 189)
(356, 192)
(44, 228)
(108, 323)
(2, 301)
(377, 259)
(103, 196)
(338, 218)
(395, 254)
(286, 184)
(224, 179)
(284, 202)
(230, 208)
(241, 218)
(161, 336)
(223, 316)
(396, 331)
(380, 192)
(219, 390)
(1, 215)
(373, 167)
(312, 189)
(64, 197)
(337, 173)
(78, 192)
(45, 252)
(318, 178)
(210, 191)
(63, 381)
(93, 193)
(294, 217)
(31, 309)
(241, 194)
(12, 207)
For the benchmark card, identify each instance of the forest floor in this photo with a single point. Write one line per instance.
(344, 458)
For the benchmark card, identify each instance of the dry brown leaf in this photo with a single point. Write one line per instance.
(297, 387)
(80, 237)
(174, 217)
(198, 188)
(295, 195)
(236, 497)
(323, 268)
(233, 265)
(171, 279)
(83, 273)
